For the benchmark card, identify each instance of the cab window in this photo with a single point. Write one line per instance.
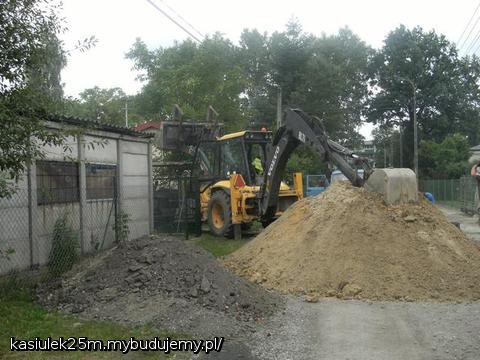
(206, 161)
(233, 159)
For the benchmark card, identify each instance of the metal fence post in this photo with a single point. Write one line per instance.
(445, 185)
(30, 212)
(118, 185)
(115, 210)
(150, 187)
(82, 184)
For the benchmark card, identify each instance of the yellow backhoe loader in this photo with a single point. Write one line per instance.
(241, 173)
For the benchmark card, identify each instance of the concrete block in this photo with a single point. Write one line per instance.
(137, 209)
(134, 165)
(395, 185)
(41, 248)
(13, 223)
(47, 215)
(17, 200)
(130, 182)
(19, 259)
(134, 147)
(106, 154)
(135, 192)
(58, 153)
(138, 229)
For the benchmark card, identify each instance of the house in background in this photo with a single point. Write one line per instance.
(105, 173)
(150, 127)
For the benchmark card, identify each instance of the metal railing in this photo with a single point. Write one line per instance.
(460, 193)
(176, 205)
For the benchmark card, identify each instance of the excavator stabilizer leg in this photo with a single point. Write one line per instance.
(396, 185)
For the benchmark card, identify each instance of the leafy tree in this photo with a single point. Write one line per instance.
(271, 63)
(305, 161)
(290, 52)
(106, 105)
(31, 58)
(326, 76)
(192, 76)
(445, 86)
(333, 85)
(260, 88)
(447, 159)
(387, 143)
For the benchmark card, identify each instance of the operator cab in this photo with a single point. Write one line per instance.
(241, 153)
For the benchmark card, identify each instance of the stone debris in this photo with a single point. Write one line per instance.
(160, 279)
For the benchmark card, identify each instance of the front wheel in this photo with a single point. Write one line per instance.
(220, 214)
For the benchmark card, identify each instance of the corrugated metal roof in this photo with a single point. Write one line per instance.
(97, 125)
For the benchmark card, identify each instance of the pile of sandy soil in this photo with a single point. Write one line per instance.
(164, 281)
(347, 243)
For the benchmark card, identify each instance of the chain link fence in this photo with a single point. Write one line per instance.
(43, 233)
(177, 205)
(460, 193)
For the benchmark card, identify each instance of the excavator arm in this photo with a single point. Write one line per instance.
(300, 128)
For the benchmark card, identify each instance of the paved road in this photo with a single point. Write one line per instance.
(336, 329)
(339, 330)
(469, 224)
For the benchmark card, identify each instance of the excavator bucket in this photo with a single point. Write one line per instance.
(396, 185)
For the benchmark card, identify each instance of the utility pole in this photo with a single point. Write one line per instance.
(391, 150)
(415, 136)
(385, 155)
(126, 112)
(401, 145)
(415, 130)
(279, 107)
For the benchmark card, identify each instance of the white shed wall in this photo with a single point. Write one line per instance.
(98, 218)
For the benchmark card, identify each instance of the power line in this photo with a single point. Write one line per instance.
(469, 22)
(471, 30)
(470, 33)
(182, 18)
(173, 20)
(474, 42)
(476, 49)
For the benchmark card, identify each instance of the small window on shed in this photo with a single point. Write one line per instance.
(57, 182)
(100, 181)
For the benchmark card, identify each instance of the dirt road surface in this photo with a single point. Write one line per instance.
(336, 329)
(359, 330)
(468, 224)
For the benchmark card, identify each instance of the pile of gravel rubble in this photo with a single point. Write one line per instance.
(164, 281)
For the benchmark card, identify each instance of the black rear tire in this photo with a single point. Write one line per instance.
(220, 214)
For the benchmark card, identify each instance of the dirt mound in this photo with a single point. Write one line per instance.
(347, 243)
(164, 281)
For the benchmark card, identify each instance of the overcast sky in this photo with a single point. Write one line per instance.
(116, 24)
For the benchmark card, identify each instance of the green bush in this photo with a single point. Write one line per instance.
(64, 250)
(121, 227)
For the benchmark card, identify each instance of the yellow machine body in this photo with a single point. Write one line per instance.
(242, 196)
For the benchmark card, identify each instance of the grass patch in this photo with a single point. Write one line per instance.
(218, 246)
(22, 318)
(26, 320)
